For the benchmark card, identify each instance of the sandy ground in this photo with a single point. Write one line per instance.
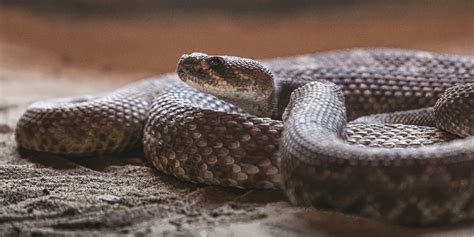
(44, 57)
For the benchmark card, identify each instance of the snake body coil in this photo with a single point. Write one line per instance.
(394, 165)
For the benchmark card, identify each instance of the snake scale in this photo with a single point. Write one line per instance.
(408, 158)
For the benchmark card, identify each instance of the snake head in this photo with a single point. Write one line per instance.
(241, 81)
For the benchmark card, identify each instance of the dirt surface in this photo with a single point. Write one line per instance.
(43, 56)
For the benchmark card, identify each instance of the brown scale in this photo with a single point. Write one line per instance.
(428, 185)
(212, 147)
(88, 125)
(456, 106)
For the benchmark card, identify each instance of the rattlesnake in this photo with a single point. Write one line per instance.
(383, 166)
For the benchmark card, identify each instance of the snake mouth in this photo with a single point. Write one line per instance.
(181, 73)
(185, 74)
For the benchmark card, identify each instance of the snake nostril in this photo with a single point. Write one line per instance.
(189, 63)
(187, 60)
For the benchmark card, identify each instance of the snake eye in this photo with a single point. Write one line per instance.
(216, 61)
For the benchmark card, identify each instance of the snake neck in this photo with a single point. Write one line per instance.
(262, 105)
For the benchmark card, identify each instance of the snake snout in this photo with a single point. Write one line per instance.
(191, 63)
(186, 61)
(191, 59)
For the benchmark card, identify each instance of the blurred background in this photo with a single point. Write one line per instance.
(147, 37)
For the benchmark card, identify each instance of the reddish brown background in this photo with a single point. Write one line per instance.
(151, 39)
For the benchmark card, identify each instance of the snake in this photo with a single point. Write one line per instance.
(375, 132)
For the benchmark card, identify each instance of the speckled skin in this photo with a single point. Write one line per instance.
(426, 185)
(200, 138)
(90, 125)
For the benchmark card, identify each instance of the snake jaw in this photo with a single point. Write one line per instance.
(240, 81)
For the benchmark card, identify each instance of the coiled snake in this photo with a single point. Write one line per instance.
(413, 167)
